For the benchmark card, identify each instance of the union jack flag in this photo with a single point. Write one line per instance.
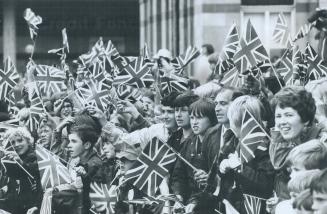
(317, 68)
(251, 51)
(36, 109)
(94, 94)
(281, 33)
(100, 75)
(33, 21)
(50, 80)
(252, 204)
(103, 197)
(285, 68)
(173, 83)
(128, 92)
(90, 57)
(231, 78)
(8, 79)
(231, 44)
(304, 31)
(137, 73)
(252, 137)
(183, 60)
(52, 171)
(151, 167)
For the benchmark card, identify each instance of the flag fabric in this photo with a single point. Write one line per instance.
(33, 21)
(137, 73)
(231, 78)
(103, 196)
(52, 171)
(128, 92)
(173, 83)
(252, 204)
(183, 60)
(36, 109)
(8, 79)
(100, 75)
(304, 31)
(229, 208)
(317, 68)
(50, 80)
(252, 137)
(151, 167)
(231, 44)
(281, 32)
(285, 68)
(65, 43)
(87, 59)
(251, 51)
(95, 94)
(299, 65)
(145, 52)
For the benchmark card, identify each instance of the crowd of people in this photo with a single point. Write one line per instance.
(220, 166)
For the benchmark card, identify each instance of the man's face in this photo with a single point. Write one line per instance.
(45, 134)
(319, 202)
(109, 150)
(66, 110)
(222, 102)
(168, 117)
(182, 117)
(75, 146)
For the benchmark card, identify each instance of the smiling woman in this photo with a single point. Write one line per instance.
(294, 124)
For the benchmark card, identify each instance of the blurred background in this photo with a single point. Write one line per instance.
(171, 24)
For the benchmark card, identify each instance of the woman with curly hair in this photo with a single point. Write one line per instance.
(294, 110)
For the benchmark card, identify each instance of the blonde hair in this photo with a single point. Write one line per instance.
(18, 132)
(302, 180)
(311, 154)
(237, 109)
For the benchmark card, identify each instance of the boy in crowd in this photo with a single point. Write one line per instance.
(319, 193)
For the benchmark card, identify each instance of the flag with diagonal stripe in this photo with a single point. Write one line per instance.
(95, 94)
(281, 32)
(36, 110)
(317, 68)
(252, 204)
(252, 137)
(103, 197)
(136, 73)
(87, 59)
(50, 80)
(33, 21)
(304, 31)
(183, 60)
(52, 171)
(251, 51)
(128, 92)
(231, 78)
(173, 83)
(151, 167)
(8, 79)
(285, 68)
(299, 65)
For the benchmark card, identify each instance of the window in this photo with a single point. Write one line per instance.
(267, 2)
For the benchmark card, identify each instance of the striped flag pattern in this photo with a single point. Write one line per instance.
(285, 68)
(36, 109)
(151, 167)
(52, 171)
(317, 68)
(33, 21)
(281, 33)
(252, 204)
(299, 65)
(251, 51)
(304, 31)
(173, 83)
(183, 60)
(103, 197)
(8, 79)
(252, 137)
(231, 78)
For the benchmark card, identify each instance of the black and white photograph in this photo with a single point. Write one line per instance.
(163, 107)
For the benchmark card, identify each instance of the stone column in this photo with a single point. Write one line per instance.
(9, 30)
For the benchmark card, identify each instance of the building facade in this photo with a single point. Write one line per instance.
(176, 24)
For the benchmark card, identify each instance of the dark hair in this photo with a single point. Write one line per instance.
(303, 201)
(3, 106)
(320, 183)
(185, 99)
(169, 99)
(209, 48)
(86, 128)
(299, 99)
(204, 107)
